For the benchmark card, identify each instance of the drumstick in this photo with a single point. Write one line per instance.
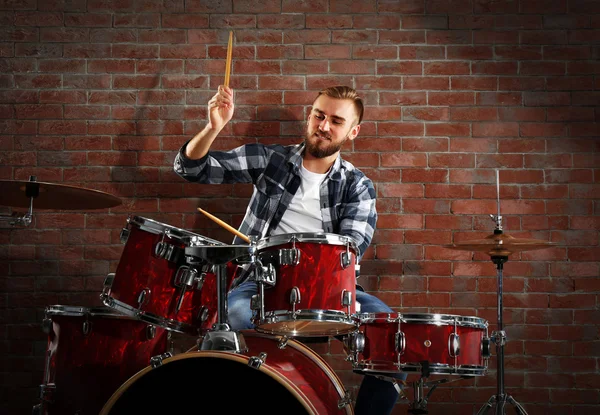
(226, 226)
(228, 62)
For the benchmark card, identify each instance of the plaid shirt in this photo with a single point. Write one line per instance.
(347, 196)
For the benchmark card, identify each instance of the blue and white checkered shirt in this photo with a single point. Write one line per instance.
(347, 196)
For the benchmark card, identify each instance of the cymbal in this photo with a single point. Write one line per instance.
(53, 196)
(501, 244)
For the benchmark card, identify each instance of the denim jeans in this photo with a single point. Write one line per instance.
(375, 396)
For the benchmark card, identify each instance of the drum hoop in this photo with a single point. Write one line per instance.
(290, 386)
(319, 238)
(156, 227)
(425, 318)
(77, 311)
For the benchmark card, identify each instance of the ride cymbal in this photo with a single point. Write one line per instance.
(53, 196)
(501, 244)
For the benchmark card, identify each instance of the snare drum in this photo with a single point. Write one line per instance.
(308, 285)
(154, 283)
(273, 376)
(91, 352)
(433, 343)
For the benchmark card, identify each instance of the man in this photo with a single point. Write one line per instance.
(303, 188)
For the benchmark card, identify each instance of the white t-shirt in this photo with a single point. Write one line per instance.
(303, 215)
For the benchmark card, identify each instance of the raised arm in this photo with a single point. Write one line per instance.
(220, 112)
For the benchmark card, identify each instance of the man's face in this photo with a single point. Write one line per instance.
(331, 122)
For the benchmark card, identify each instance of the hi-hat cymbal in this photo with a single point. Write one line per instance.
(53, 196)
(501, 244)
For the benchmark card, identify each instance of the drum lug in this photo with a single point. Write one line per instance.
(203, 314)
(166, 251)
(486, 347)
(347, 300)
(108, 281)
(289, 256)
(400, 342)
(157, 361)
(454, 345)
(150, 332)
(355, 342)
(124, 236)
(86, 327)
(295, 298)
(346, 258)
(255, 362)
(143, 296)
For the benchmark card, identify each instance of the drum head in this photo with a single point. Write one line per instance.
(204, 383)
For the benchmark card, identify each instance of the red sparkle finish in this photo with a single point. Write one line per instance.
(141, 269)
(319, 277)
(86, 369)
(424, 341)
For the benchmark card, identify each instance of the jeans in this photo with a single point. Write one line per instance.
(375, 396)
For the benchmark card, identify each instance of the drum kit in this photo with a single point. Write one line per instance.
(170, 281)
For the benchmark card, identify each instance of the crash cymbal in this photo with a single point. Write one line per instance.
(53, 196)
(501, 244)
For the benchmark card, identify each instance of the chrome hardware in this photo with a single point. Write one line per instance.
(255, 302)
(347, 300)
(157, 361)
(400, 342)
(150, 332)
(124, 236)
(143, 296)
(86, 327)
(255, 362)
(486, 347)
(203, 314)
(283, 341)
(454, 345)
(266, 275)
(346, 257)
(108, 281)
(345, 401)
(294, 298)
(289, 256)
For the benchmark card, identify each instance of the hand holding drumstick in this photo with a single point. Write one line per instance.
(220, 112)
(226, 226)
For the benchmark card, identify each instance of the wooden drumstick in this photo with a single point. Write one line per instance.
(228, 62)
(226, 226)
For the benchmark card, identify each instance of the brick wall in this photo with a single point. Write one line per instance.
(101, 94)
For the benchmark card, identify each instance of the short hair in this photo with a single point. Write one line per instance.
(346, 92)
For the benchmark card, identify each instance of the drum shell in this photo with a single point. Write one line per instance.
(428, 337)
(293, 379)
(93, 349)
(319, 277)
(142, 270)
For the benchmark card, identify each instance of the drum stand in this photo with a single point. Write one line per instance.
(499, 338)
(220, 336)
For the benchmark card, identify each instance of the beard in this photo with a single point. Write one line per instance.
(321, 147)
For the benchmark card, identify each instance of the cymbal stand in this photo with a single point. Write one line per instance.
(499, 338)
(32, 191)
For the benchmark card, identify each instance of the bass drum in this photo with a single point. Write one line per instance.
(274, 376)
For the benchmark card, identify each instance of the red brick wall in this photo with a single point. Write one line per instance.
(101, 94)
